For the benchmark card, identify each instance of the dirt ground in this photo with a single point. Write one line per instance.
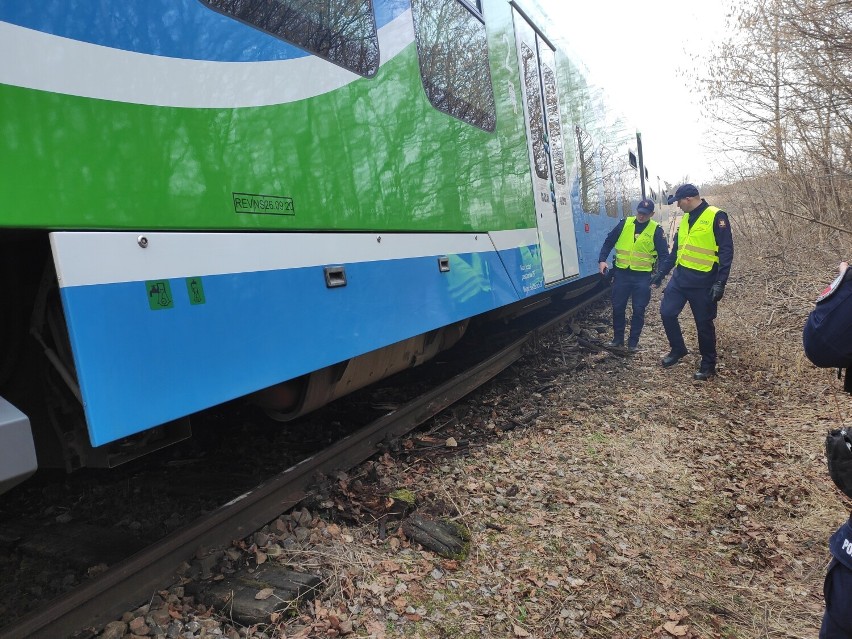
(606, 496)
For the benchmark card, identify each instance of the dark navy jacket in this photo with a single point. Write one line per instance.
(659, 243)
(837, 620)
(689, 277)
(827, 335)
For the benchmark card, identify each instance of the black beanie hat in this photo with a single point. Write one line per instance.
(838, 452)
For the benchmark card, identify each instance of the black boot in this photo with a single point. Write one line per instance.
(673, 358)
(704, 373)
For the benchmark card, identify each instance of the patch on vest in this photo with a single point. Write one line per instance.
(831, 288)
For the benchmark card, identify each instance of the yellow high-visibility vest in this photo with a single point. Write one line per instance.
(696, 246)
(637, 253)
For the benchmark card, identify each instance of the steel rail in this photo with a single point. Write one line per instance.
(107, 596)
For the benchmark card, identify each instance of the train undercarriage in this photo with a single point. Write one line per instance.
(42, 422)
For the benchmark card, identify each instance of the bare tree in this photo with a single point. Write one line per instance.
(780, 93)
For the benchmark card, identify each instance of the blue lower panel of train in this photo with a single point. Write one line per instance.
(178, 335)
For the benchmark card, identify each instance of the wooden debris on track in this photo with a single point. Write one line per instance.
(251, 597)
(448, 539)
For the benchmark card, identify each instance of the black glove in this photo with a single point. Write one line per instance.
(656, 280)
(717, 291)
(838, 453)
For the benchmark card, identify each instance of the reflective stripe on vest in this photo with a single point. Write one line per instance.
(638, 253)
(696, 246)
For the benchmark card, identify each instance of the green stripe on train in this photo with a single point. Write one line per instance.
(374, 155)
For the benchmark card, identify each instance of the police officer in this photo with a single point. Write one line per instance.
(827, 336)
(837, 588)
(827, 339)
(701, 256)
(639, 243)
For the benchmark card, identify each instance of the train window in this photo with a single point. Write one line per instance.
(533, 90)
(453, 54)
(551, 100)
(630, 189)
(587, 171)
(473, 5)
(610, 182)
(340, 31)
(631, 157)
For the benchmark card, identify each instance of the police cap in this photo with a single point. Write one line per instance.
(684, 190)
(645, 207)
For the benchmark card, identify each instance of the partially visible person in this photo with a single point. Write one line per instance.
(639, 243)
(827, 339)
(837, 588)
(701, 257)
(827, 336)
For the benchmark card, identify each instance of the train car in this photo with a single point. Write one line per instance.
(202, 200)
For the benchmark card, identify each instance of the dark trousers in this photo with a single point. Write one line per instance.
(704, 312)
(837, 620)
(635, 286)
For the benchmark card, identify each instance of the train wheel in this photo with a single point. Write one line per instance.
(62, 403)
(12, 316)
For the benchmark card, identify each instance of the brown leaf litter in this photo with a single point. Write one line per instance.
(635, 502)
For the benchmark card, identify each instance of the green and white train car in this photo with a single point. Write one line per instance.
(207, 199)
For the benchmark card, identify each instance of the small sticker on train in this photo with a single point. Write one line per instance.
(159, 295)
(195, 290)
(257, 204)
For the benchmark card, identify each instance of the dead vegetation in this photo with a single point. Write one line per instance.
(606, 496)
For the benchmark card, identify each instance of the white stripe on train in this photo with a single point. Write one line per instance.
(36, 60)
(89, 257)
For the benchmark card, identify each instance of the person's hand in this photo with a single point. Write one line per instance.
(717, 291)
(656, 280)
(602, 268)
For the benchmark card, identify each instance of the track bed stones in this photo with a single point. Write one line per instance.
(252, 596)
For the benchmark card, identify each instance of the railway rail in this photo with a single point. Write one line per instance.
(107, 595)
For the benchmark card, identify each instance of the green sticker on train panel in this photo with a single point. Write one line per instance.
(263, 204)
(195, 289)
(159, 295)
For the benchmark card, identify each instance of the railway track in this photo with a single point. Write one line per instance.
(106, 596)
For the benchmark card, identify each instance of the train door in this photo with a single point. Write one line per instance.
(547, 155)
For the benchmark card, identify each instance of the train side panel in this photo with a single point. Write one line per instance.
(111, 138)
(228, 211)
(192, 320)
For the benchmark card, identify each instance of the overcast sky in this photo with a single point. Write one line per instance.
(635, 51)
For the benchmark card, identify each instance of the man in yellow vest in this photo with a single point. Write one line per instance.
(639, 243)
(701, 256)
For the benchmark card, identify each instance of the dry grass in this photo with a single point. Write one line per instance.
(639, 504)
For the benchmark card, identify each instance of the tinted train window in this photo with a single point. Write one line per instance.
(453, 55)
(629, 181)
(341, 31)
(557, 154)
(587, 172)
(533, 89)
(610, 182)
